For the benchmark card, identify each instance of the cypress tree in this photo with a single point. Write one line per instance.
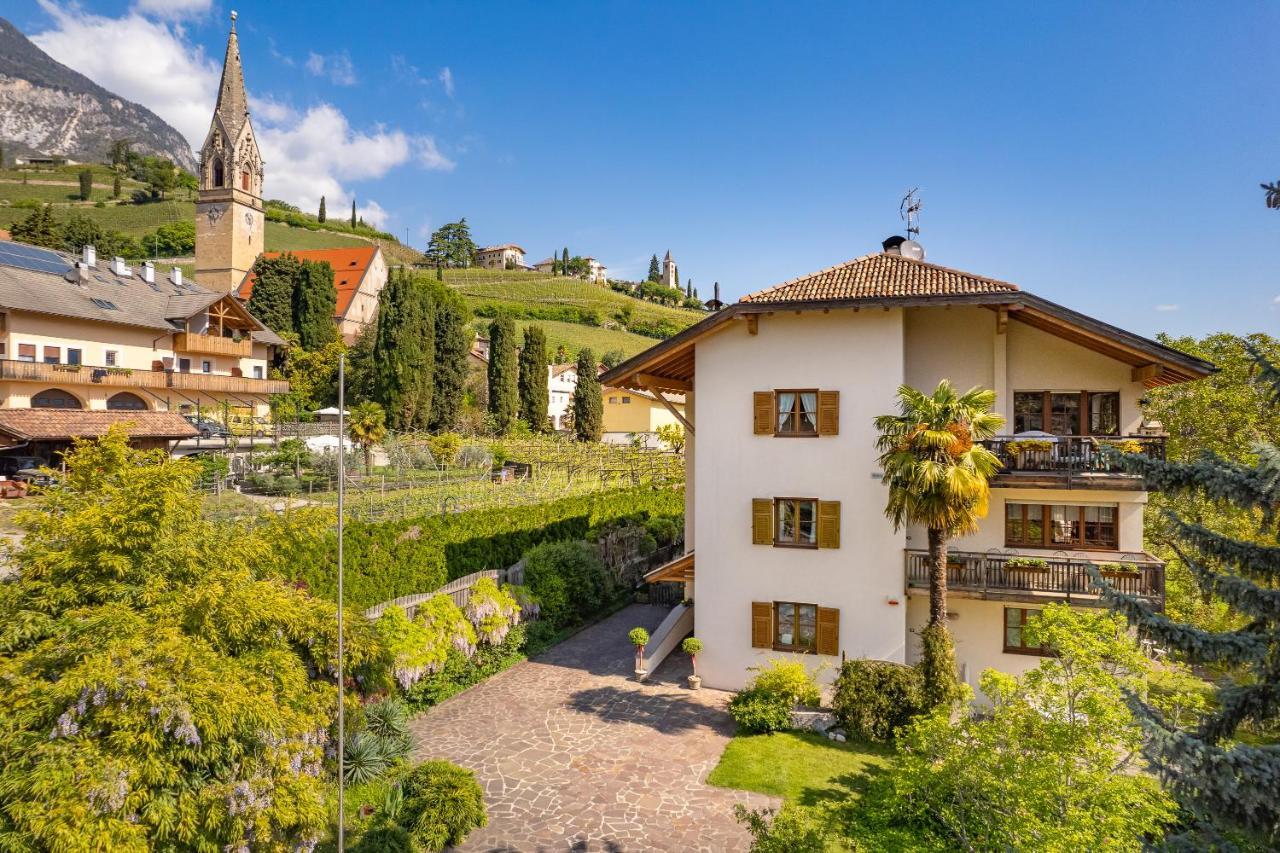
(453, 342)
(534, 394)
(115, 187)
(564, 262)
(353, 213)
(315, 302)
(504, 396)
(86, 184)
(655, 271)
(588, 408)
(272, 299)
(320, 216)
(404, 352)
(1226, 785)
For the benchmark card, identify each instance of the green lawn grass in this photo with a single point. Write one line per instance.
(801, 767)
(283, 238)
(132, 219)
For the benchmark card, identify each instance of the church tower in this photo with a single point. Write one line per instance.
(670, 275)
(229, 219)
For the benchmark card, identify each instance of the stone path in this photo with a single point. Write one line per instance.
(574, 754)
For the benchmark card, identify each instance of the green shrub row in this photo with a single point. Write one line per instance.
(389, 559)
(875, 698)
(460, 672)
(563, 313)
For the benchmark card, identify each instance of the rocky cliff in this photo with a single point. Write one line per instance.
(48, 109)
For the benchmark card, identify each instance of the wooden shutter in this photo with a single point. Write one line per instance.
(828, 524)
(762, 624)
(828, 413)
(828, 631)
(762, 405)
(761, 521)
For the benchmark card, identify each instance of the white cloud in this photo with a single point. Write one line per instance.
(429, 155)
(373, 214)
(446, 80)
(1168, 306)
(159, 69)
(174, 10)
(336, 66)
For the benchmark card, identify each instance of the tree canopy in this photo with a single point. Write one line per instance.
(451, 245)
(404, 351)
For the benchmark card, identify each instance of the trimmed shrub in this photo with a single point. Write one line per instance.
(442, 804)
(875, 698)
(759, 710)
(569, 580)
(389, 559)
(790, 680)
(938, 667)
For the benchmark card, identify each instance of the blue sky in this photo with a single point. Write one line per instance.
(1105, 156)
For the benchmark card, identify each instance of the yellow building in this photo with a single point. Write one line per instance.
(631, 415)
(81, 334)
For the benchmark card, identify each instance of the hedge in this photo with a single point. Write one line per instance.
(389, 559)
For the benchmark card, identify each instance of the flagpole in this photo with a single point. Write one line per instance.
(342, 476)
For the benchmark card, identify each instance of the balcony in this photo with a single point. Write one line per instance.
(212, 345)
(1074, 461)
(123, 377)
(1012, 578)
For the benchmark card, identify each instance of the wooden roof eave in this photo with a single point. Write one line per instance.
(679, 569)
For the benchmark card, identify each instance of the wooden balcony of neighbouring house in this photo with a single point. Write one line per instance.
(1070, 461)
(1010, 577)
(126, 377)
(195, 342)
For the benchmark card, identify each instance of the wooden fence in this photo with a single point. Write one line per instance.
(458, 589)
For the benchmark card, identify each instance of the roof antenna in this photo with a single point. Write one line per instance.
(909, 210)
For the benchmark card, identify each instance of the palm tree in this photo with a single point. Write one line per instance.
(366, 426)
(938, 476)
(1273, 195)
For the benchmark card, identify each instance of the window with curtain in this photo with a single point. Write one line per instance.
(797, 412)
(1067, 412)
(1029, 525)
(795, 626)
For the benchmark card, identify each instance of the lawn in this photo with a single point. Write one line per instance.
(801, 767)
(132, 219)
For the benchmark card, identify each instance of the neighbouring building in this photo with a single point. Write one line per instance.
(79, 334)
(229, 216)
(632, 416)
(562, 381)
(508, 256)
(596, 271)
(670, 272)
(359, 274)
(788, 551)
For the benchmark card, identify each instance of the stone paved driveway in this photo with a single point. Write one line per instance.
(574, 754)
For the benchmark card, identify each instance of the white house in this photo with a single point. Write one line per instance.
(596, 271)
(504, 257)
(788, 548)
(562, 381)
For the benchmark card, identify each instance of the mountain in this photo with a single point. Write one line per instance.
(48, 109)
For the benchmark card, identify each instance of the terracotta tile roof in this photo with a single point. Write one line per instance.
(63, 424)
(349, 268)
(880, 276)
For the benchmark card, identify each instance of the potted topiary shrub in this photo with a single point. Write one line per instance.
(691, 647)
(639, 638)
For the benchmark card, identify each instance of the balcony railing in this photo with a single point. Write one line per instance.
(123, 377)
(212, 345)
(993, 575)
(1069, 455)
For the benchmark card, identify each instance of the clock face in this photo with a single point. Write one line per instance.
(249, 220)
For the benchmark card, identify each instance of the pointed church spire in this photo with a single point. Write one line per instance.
(233, 104)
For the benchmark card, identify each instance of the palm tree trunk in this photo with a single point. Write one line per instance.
(937, 576)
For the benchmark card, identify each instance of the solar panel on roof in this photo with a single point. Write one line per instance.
(32, 258)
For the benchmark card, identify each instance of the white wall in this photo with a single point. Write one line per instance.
(860, 355)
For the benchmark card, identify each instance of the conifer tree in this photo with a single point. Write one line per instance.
(315, 302)
(38, 229)
(353, 213)
(115, 187)
(86, 184)
(588, 407)
(564, 262)
(655, 271)
(533, 379)
(453, 343)
(404, 352)
(688, 288)
(1226, 785)
(321, 215)
(504, 396)
(272, 300)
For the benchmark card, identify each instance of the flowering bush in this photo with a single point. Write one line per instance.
(421, 646)
(492, 611)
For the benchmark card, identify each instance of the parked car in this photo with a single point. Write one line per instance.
(208, 428)
(245, 425)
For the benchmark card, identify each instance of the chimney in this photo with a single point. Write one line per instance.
(717, 292)
(119, 268)
(176, 276)
(149, 272)
(90, 256)
(893, 245)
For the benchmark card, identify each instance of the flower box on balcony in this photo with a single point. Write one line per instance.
(1026, 564)
(1118, 571)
